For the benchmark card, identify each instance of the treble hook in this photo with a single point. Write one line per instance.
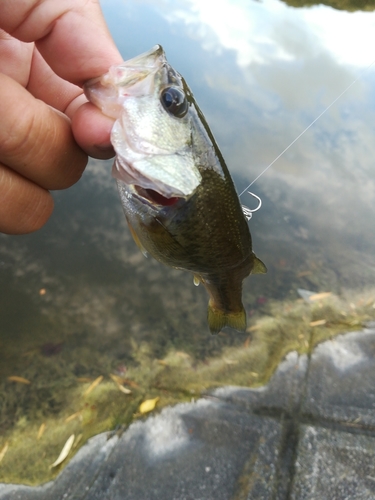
(248, 213)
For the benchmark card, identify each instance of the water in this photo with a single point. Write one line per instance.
(78, 300)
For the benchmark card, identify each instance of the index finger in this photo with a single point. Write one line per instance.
(72, 36)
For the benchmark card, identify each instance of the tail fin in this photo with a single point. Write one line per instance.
(217, 319)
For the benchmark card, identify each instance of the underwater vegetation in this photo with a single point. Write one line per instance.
(55, 396)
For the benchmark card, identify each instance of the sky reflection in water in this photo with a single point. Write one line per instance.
(262, 72)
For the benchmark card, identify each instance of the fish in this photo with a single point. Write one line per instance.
(178, 197)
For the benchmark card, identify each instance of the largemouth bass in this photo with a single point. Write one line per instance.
(178, 196)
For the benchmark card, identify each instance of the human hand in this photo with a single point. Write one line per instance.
(48, 49)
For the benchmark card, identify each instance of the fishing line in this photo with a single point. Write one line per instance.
(306, 129)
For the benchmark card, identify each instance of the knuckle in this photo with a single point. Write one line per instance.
(26, 207)
(15, 140)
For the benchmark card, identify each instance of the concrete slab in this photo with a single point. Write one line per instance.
(334, 465)
(192, 451)
(340, 384)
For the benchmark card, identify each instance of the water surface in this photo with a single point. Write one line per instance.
(78, 300)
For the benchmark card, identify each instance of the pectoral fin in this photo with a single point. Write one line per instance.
(155, 239)
(259, 267)
(136, 239)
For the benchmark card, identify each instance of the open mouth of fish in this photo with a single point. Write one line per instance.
(154, 197)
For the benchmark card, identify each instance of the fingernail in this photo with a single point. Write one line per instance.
(104, 147)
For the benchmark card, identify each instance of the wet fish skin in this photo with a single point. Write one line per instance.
(196, 223)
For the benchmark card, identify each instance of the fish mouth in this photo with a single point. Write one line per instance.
(152, 197)
(131, 78)
(147, 190)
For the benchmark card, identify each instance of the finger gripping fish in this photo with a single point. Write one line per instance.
(178, 197)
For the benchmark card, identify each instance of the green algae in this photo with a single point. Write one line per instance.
(57, 395)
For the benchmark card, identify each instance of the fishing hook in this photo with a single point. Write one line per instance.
(248, 213)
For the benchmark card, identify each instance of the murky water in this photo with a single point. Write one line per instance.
(78, 300)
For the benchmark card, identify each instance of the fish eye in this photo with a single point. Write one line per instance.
(174, 101)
